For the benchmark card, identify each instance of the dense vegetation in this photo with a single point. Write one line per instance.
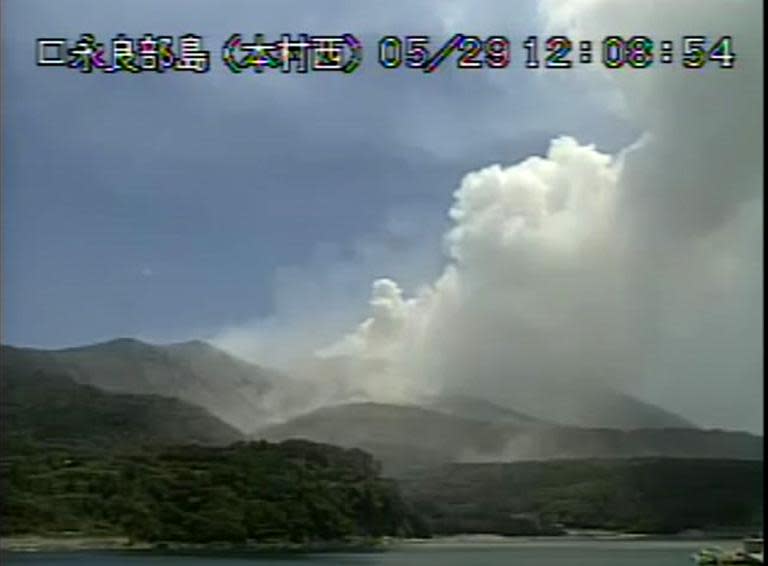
(638, 495)
(52, 408)
(294, 491)
(231, 389)
(80, 459)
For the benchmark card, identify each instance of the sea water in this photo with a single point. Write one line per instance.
(436, 553)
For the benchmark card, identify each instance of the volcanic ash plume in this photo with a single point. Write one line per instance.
(639, 271)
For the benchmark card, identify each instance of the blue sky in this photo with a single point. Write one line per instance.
(165, 206)
(257, 211)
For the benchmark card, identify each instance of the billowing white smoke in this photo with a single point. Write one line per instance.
(534, 285)
(640, 270)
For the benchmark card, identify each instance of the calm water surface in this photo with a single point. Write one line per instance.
(530, 553)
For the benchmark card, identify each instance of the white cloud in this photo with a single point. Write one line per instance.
(641, 270)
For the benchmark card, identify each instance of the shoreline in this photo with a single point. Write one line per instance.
(81, 543)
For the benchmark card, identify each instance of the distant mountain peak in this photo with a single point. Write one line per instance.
(468, 406)
(194, 371)
(47, 406)
(121, 344)
(196, 346)
(196, 343)
(124, 341)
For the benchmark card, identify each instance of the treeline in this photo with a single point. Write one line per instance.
(44, 406)
(78, 459)
(294, 491)
(634, 495)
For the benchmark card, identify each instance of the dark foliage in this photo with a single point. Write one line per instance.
(294, 491)
(639, 495)
(52, 408)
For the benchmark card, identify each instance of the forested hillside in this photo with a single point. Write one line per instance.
(295, 491)
(639, 495)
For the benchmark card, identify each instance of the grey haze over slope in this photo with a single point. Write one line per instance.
(250, 396)
(426, 431)
(239, 393)
(609, 408)
(50, 408)
(592, 404)
(406, 437)
(581, 402)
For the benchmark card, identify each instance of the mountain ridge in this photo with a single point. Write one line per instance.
(405, 437)
(232, 389)
(45, 407)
